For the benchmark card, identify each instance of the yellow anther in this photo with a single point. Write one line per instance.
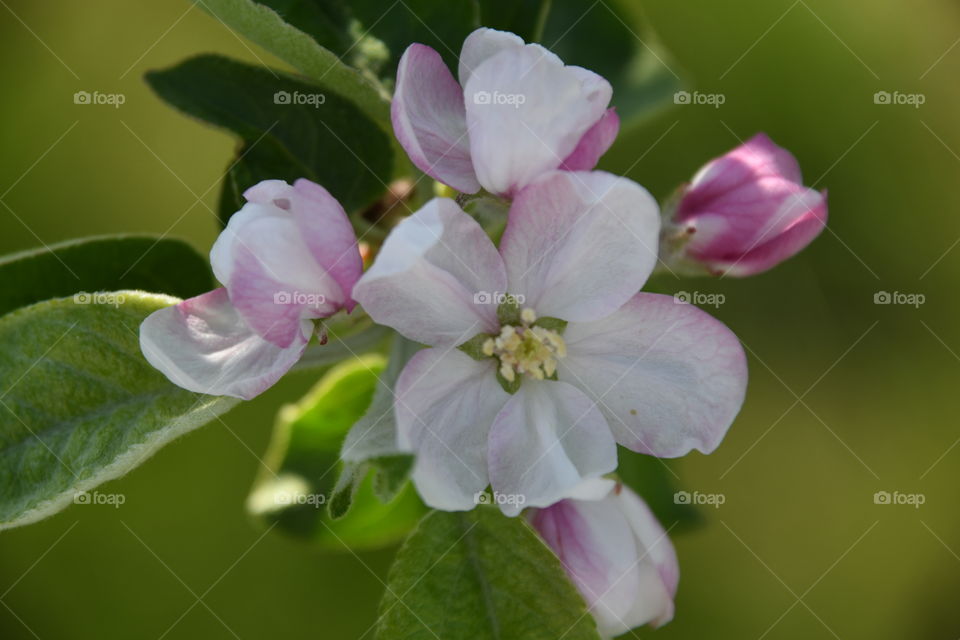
(488, 347)
(526, 349)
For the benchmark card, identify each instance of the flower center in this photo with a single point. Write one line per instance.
(526, 348)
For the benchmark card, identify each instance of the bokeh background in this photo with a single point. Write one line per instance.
(846, 398)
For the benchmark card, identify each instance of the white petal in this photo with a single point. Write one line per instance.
(653, 539)
(446, 402)
(203, 345)
(482, 44)
(429, 119)
(274, 279)
(547, 439)
(526, 112)
(668, 377)
(578, 245)
(597, 542)
(435, 278)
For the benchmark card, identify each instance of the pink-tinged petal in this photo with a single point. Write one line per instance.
(547, 439)
(667, 376)
(526, 112)
(613, 568)
(429, 119)
(594, 143)
(578, 245)
(482, 44)
(748, 210)
(653, 538)
(435, 277)
(446, 402)
(758, 157)
(326, 229)
(724, 247)
(203, 345)
(264, 260)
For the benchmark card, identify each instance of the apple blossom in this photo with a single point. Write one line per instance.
(615, 552)
(743, 213)
(289, 256)
(516, 113)
(539, 392)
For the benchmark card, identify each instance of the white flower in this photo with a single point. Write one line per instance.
(288, 257)
(540, 404)
(517, 112)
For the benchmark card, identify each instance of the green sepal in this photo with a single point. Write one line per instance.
(509, 312)
(509, 387)
(474, 346)
(552, 324)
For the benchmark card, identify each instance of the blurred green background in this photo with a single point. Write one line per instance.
(846, 398)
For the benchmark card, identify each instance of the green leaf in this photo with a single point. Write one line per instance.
(371, 35)
(655, 482)
(264, 26)
(525, 18)
(440, 25)
(82, 405)
(300, 491)
(102, 263)
(328, 140)
(375, 434)
(392, 472)
(643, 74)
(480, 576)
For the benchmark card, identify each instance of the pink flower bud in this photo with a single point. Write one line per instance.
(615, 552)
(744, 212)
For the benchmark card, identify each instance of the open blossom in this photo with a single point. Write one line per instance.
(537, 398)
(745, 212)
(615, 552)
(289, 256)
(516, 113)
